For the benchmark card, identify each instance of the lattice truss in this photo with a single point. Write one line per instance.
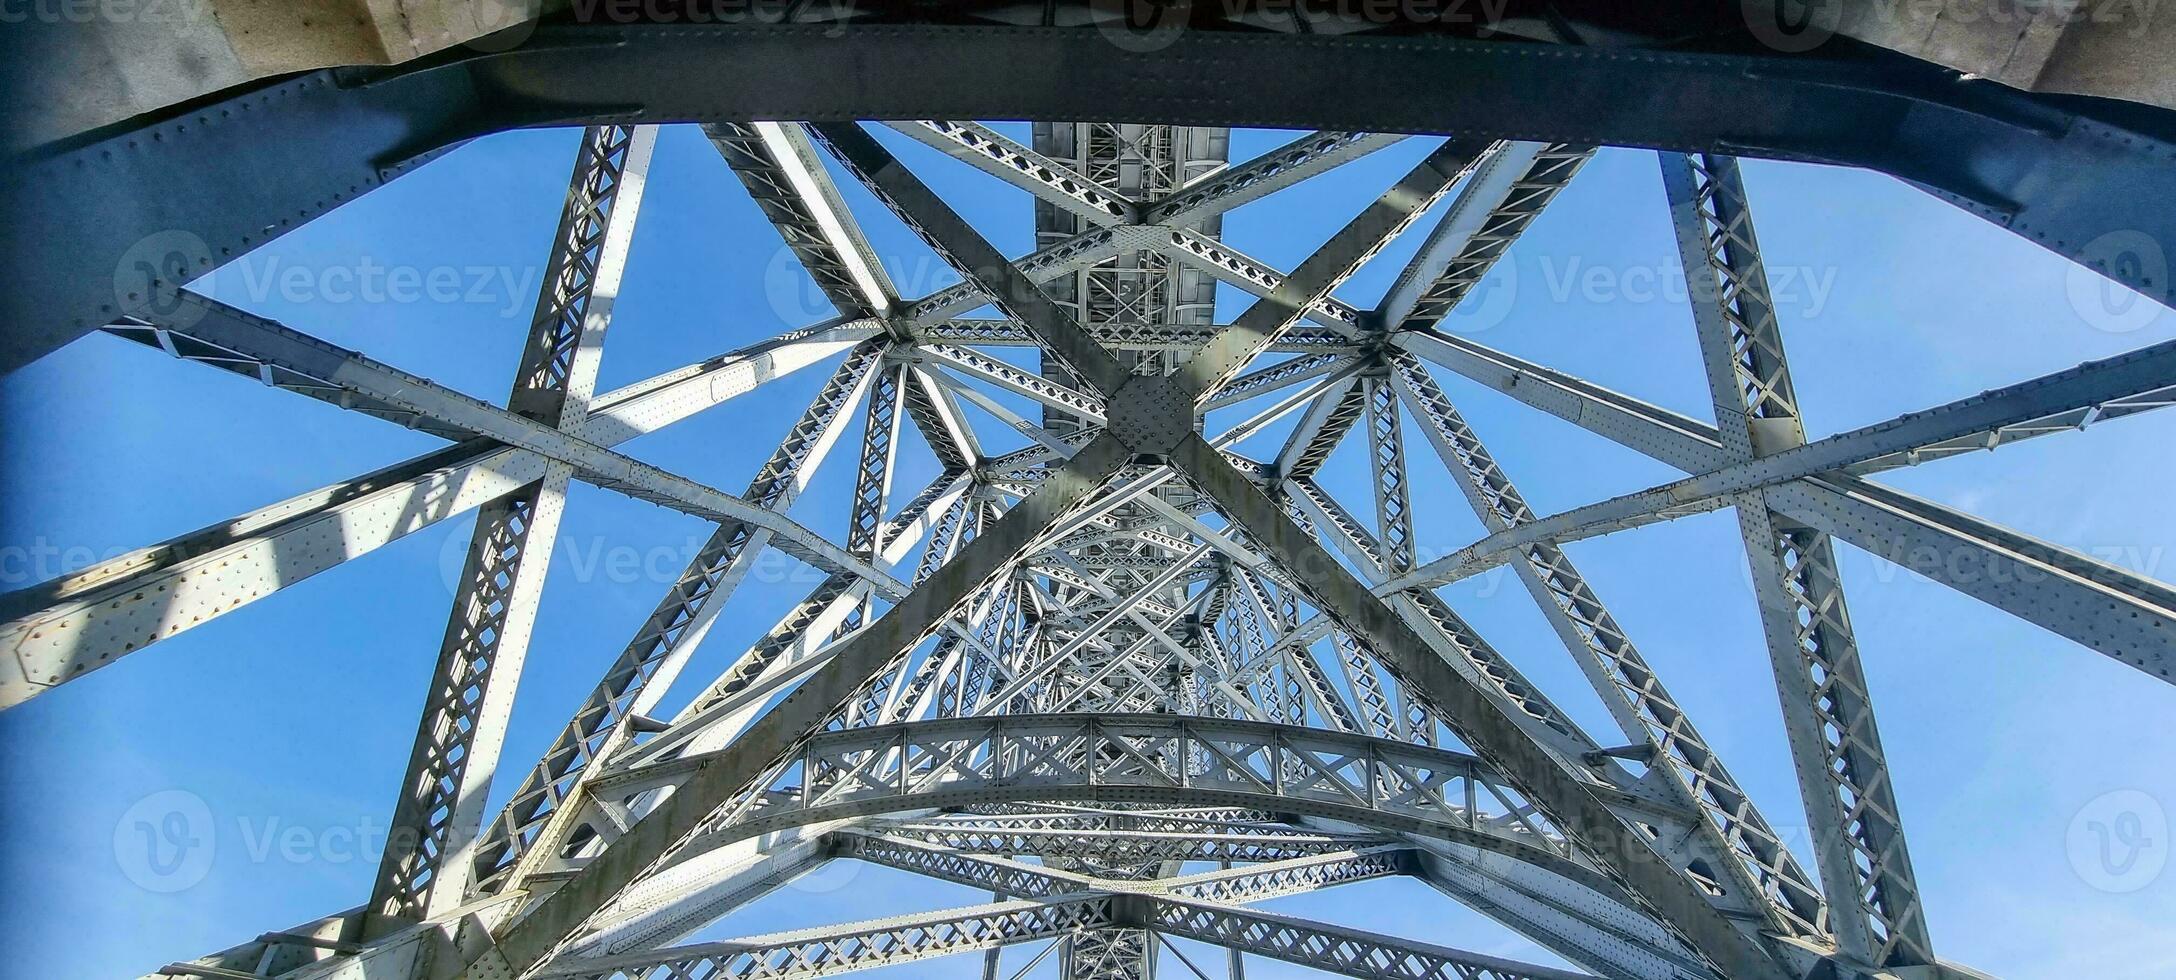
(1066, 673)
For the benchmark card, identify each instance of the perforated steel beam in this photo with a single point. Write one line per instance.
(1508, 191)
(993, 153)
(1230, 350)
(58, 630)
(1305, 157)
(289, 359)
(439, 810)
(315, 140)
(1628, 687)
(1843, 775)
(1478, 719)
(720, 777)
(1334, 949)
(637, 679)
(782, 173)
(2118, 612)
(1014, 292)
(2128, 384)
(825, 951)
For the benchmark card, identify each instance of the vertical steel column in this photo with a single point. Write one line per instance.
(1643, 708)
(1828, 714)
(654, 657)
(873, 477)
(1386, 453)
(456, 753)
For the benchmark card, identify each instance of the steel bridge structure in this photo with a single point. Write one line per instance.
(1064, 673)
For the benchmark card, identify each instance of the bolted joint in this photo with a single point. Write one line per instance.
(1151, 414)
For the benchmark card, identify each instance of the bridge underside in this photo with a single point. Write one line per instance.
(1075, 673)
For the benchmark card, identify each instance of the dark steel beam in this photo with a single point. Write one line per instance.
(109, 224)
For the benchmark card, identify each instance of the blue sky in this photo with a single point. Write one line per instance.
(292, 718)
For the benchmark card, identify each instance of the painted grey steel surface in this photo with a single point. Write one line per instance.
(2062, 172)
(1128, 646)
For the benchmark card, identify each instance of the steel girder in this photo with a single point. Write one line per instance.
(2056, 170)
(639, 677)
(840, 949)
(538, 819)
(1843, 775)
(723, 776)
(2123, 614)
(2138, 381)
(1293, 876)
(61, 629)
(1262, 176)
(826, 951)
(1049, 179)
(1167, 758)
(1508, 191)
(1118, 846)
(1480, 720)
(1629, 688)
(783, 175)
(471, 696)
(219, 335)
(1025, 594)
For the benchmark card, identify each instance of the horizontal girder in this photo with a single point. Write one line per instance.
(2061, 173)
(1134, 758)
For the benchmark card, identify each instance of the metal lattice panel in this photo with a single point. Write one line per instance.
(1060, 673)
